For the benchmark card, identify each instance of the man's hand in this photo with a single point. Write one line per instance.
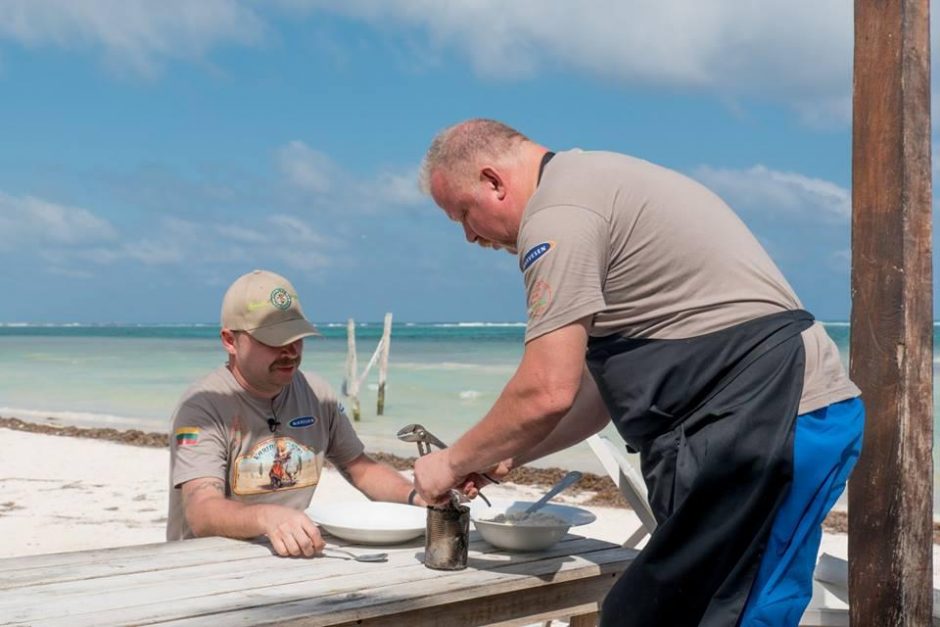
(434, 477)
(478, 480)
(209, 513)
(291, 532)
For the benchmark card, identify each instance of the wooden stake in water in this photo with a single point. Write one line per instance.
(383, 362)
(352, 380)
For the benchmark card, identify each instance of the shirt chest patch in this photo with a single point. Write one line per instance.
(535, 253)
(302, 422)
(275, 464)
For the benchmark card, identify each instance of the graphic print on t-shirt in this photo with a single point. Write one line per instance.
(276, 463)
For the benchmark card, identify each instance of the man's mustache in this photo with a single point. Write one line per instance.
(285, 363)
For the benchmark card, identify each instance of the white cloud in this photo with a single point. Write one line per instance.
(71, 241)
(287, 239)
(155, 252)
(799, 51)
(27, 221)
(328, 185)
(779, 194)
(134, 36)
(306, 168)
(298, 245)
(241, 234)
(308, 232)
(396, 188)
(293, 231)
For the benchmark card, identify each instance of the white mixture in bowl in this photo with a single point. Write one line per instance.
(535, 519)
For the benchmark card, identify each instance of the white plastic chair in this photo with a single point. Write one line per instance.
(832, 574)
(628, 480)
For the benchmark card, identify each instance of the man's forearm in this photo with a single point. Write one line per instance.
(517, 422)
(587, 416)
(377, 481)
(209, 513)
(540, 393)
(222, 517)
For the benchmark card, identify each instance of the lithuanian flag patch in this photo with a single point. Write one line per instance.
(187, 436)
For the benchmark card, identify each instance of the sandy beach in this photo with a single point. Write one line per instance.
(75, 493)
(63, 493)
(72, 493)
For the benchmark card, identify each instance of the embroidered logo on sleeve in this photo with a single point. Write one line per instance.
(187, 436)
(302, 422)
(539, 299)
(535, 253)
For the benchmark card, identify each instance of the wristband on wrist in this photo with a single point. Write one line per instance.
(411, 496)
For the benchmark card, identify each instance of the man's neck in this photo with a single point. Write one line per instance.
(256, 392)
(532, 160)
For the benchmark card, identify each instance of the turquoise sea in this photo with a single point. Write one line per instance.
(442, 375)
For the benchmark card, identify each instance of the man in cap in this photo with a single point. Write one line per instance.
(248, 441)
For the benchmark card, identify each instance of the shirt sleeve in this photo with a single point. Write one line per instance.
(563, 258)
(344, 445)
(197, 443)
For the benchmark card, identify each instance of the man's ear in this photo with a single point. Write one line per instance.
(494, 181)
(228, 341)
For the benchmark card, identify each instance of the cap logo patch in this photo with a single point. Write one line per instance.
(535, 253)
(280, 298)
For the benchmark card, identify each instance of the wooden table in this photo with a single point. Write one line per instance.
(221, 582)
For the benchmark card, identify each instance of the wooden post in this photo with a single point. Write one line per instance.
(352, 379)
(383, 362)
(891, 490)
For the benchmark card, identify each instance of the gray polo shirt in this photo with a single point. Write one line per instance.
(649, 253)
(220, 430)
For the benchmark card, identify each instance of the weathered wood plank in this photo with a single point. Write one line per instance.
(72, 558)
(890, 493)
(584, 620)
(212, 587)
(119, 564)
(164, 556)
(557, 600)
(211, 576)
(417, 599)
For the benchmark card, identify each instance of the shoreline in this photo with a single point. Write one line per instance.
(601, 489)
(606, 493)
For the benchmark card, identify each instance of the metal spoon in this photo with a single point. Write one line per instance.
(364, 557)
(565, 481)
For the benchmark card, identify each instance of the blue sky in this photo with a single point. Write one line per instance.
(151, 152)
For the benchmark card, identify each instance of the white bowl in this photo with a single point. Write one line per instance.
(521, 537)
(370, 522)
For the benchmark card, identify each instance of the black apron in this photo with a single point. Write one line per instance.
(713, 419)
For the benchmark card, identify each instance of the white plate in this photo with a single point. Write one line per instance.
(370, 522)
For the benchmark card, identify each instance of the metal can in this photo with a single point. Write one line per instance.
(447, 540)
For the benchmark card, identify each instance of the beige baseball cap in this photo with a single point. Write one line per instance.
(266, 306)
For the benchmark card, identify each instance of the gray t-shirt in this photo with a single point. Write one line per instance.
(650, 253)
(220, 430)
